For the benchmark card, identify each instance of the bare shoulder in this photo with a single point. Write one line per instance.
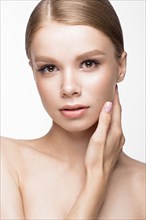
(10, 148)
(10, 156)
(133, 172)
(133, 175)
(12, 151)
(133, 169)
(15, 146)
(7, 143)
(17, 153)
(11, 201)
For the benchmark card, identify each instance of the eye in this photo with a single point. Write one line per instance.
(89, 64)
(48, 68)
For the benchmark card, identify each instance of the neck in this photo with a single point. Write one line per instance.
(69, 146)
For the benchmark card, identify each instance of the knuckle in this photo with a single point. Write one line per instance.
(118, 132)
(97, 141)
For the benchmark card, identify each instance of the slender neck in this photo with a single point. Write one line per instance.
(69, 146)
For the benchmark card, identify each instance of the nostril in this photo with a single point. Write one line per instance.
(71, 92)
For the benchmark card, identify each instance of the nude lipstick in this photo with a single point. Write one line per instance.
(73, 111)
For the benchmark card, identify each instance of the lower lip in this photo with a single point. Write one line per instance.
(74, 113)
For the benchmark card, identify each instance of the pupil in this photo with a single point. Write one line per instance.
(51, 68)
(88, 64)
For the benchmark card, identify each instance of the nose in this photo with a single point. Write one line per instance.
(70, 86)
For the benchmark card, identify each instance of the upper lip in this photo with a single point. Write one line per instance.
(73, 107)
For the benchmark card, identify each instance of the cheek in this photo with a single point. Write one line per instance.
(106, 90)
(46, 93)
(102, 88)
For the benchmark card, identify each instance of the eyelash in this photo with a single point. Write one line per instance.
(90, 62)
(42, 69)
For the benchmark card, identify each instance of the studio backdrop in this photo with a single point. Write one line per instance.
(22, 114)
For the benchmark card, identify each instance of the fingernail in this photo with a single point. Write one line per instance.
(108, 106)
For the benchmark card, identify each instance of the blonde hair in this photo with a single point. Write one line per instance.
(98, 14)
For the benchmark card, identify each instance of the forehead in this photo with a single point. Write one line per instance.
(56, 38)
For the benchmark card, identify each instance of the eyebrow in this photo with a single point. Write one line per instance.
(79, 57)
(90, 53)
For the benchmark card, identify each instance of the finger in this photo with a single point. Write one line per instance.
(115, 138)
(116, 113)
(100, 133)
(115, 132)
(95, 150)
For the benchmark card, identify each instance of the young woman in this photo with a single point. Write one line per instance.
(77, 170)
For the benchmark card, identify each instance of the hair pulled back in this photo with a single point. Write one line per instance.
(98, 14)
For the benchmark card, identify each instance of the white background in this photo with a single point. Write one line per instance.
(22, 113)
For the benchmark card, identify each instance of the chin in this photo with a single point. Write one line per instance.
(79, 126)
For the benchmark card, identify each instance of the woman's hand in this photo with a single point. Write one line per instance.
(107, 141)
(101, 157)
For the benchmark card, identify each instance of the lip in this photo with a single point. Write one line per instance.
(74, 111)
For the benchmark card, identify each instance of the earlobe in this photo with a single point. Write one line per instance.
(122, 67)
(121, 77)
(30, 64)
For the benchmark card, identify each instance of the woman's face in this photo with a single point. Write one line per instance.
(76, 71)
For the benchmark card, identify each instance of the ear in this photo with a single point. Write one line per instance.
(122, 67)
(30, 64)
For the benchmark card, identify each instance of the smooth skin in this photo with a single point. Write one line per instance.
(78, 169)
